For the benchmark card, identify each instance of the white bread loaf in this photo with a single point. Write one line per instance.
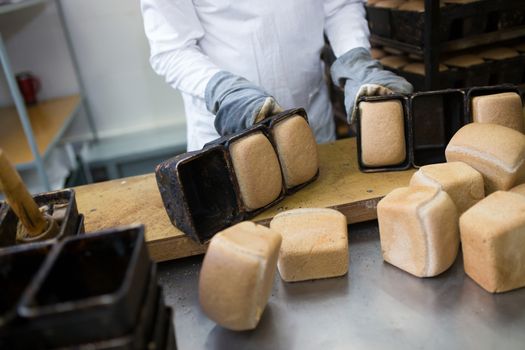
(520, 189)
(382, 128)
(297, 150)
(237, 275)
(504, 109)
(463, 183)
(497, 152)
(315, 244)
(418, 228)
(257, 170)
(493, 242)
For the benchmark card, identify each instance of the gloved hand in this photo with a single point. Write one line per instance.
(237, 103)
(361, 75)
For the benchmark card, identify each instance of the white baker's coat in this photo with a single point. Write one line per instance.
(275, 44)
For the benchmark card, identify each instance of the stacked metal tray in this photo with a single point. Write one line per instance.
(431, 119)
(96, 291)
(457, 21)
(200, 189)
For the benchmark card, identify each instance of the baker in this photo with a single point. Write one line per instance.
(238, 62)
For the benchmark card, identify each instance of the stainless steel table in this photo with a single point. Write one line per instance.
(376, 306)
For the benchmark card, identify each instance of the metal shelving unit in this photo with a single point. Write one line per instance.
(433, 47)
(42, 125)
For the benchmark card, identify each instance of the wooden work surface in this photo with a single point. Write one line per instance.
(47, 119)
(137, 200)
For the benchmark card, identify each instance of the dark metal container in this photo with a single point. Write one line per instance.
(91, 287)
(509, 71)
(68, 227)
(18, 267)
(139, 337)
(379, 21)
(406, 163)
(200, 190)
(434, 117)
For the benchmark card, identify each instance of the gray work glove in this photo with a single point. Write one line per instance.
(361, 75)
(237, 103)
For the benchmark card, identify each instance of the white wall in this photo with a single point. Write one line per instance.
(124, 93)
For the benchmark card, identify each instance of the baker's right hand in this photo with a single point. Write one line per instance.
(237, 103)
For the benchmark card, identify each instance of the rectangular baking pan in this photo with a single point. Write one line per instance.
(139, 337)
(406, 163)
(69, 226)
(433, 117)
(96, 279)
(18, 267)
(200, 191)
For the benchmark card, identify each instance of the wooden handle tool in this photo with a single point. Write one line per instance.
(21, 201)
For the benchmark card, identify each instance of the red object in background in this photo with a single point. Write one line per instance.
(29, 86)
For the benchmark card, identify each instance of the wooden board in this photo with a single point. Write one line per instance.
(136, 200)
(47, 119)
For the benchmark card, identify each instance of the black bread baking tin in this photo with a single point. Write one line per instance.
(200, 191)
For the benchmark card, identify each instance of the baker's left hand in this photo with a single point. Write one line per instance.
(361, 75)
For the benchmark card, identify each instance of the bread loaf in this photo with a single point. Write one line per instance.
(297, 150)
(418, 228)
(497, 152)
(237, 275)
(462, 182)
(390, 4)
(382, 129)
(504, 109)
(315, 244)
(419, 68)
(520, 189)
(498, 53)
(377, 53)
(464, 61)
(395, 62)
(493, 241)
(257, 170)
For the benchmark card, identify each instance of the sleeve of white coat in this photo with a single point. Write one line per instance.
(345, 25)
(173, 30)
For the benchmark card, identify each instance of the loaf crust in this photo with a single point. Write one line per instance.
(497, 152)
(493, 241)
(382, 133)
(237, 275)
(257, 170)
(463, 183)
(297, 150)
(504, 109)
(418, 229)
(315, 244)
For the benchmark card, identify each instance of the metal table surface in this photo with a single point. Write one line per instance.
(376, 306)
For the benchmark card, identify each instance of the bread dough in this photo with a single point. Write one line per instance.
(382, 128)
(377, 53)
(520, 189)
(493, 241)
(391, 4)
(418, 228)
(257, 170)
(504, 109)
(497, 152)
(419, 68)
(315, 244)
(463, 183)
(297, 150)
(237, 275)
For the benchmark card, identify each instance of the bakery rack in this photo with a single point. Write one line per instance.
(43, 125)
